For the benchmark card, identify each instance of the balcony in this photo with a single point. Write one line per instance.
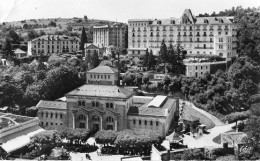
(211, 35)
(138, 35)
(204, 29)
(197, 35)
(204, 35)
(211, 29)
(164, 35)
(164, 30)
(133, 30)
(138, 30)
(171, 35)
(171, 30)
(197, 29)
(226, 29)
(145, 30)
(157, 35)
(145, 35)
(190, 35)
(219, 29)
(151, 35)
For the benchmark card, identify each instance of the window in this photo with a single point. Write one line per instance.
(42, 114)
(46, 123)
(151, 123)
(61, 116)
(56, 115)
(95, 118)
(140, 122)
(220, 39)
(196, 67)
(51, 115)
(145, 122)
(220, 46)
(109, 119)
(134, 121)
(51, 123)
(83, 103)
(79, 103)
(46, 114)
(97, 104)
(93, 104)
(157, 123)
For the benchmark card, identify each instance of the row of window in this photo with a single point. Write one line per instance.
(145, 122)
(99, 76)
(56, 115)
(198, 27)
(96, 104)
(47, 124)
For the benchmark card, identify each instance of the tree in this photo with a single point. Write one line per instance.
(52, 24)
(95, 59)
(106, 137)
(83, 40)
(163, 54)
(151, 60)
(32, 34)
(10, 94)
(7, 48)
(146, 58)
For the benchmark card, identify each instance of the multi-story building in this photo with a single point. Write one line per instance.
(198, 35)
(51, 112)
(110, 35)
(50, 44)
(102, 105)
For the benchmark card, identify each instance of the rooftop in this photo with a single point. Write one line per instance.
(19, 51)
(52, 104)
(56, 37)
(151, 111)
(101, 91)
(103, 70)
(157, 101)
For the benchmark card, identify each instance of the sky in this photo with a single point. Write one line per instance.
(114, 10)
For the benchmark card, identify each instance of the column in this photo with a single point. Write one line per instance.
(73, 120)
(115, 125)
(101, 123)
(87, 122)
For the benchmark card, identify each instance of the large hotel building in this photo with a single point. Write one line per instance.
(49, 44)
(110, 35)
(198, 35)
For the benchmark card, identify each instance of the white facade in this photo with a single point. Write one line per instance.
(200, 35)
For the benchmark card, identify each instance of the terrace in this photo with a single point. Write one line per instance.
(9, 120)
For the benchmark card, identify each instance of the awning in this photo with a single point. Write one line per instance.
(19, 139)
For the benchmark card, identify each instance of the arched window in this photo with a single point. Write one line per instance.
(107, 105)
(134, 121)
(145, 122)
(46, 114)
(97, 104)
(42, 114)
(83, 103)
(93, 104)
(140, 122)
(110, 119)
(221, 54)
(157, 123)
(95, 118)
(79, 103)
(56, 115)
(51, 114)
(151, 123)
(82, 117)
(111, 105)
(60, 115)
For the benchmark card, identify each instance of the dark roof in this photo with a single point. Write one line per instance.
(52, 104)
(103, 70)
(153, 111)
(19, 51)
(56, 38)
(101, 91)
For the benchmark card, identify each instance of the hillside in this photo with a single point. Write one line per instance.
(56, 26)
